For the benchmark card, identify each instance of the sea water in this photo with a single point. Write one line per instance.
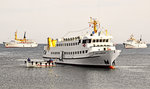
(132, 71)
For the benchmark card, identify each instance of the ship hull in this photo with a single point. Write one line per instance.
(98, 58)
(18, 45)
(130, 46)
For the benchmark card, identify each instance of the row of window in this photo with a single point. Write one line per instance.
(84, 41)
(100, 40)
(95, 40)
(55, 52)
(71, 39)
(100, 45)
(76, 52)
(67, 44)
(71, 53)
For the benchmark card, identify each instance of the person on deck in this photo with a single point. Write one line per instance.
(29, 59)
(51, 61)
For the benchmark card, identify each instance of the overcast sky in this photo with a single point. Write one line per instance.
(54, 18)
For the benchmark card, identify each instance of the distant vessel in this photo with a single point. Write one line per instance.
(94, 49)
(133, 43)
(20, 42)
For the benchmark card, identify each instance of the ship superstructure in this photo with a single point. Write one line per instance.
(94, 48)
(133, 43)
(20, 42)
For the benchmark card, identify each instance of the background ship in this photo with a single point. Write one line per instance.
(133, 43)
(95, 49)
(20, 42)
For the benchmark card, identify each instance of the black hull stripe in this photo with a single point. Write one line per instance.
(101, 66)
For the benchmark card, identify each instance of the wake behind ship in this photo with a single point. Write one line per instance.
(95, 48)
(19, 43)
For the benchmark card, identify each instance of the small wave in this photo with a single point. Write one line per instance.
(4, 53)
(131, 66)
(141, 68)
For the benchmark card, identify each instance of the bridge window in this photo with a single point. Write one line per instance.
(86, 41)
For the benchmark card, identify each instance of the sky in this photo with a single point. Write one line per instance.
(54, 18)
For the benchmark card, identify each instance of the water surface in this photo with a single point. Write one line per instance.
(132, 72)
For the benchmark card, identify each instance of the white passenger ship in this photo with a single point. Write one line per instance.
(94, 49)
(133, 43)
(20, 42)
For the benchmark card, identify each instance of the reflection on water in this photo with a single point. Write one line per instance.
(132, 72)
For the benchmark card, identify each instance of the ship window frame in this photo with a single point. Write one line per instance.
(88, 40)
(79, 41)
(80, 52)
(97, 40)
(83, 41)
(108, 45)
(76, 43)
(104, 40)
(86, 51)
(75, 52)
(100, 40)
(104, 49)
(94, 40)
(83, 51)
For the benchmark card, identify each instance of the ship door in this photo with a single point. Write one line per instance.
(61, 55)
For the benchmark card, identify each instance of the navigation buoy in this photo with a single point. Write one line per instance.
(111, 67)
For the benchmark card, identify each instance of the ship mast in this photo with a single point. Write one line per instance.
(16, 35)
(94, 22)
(140, 37)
